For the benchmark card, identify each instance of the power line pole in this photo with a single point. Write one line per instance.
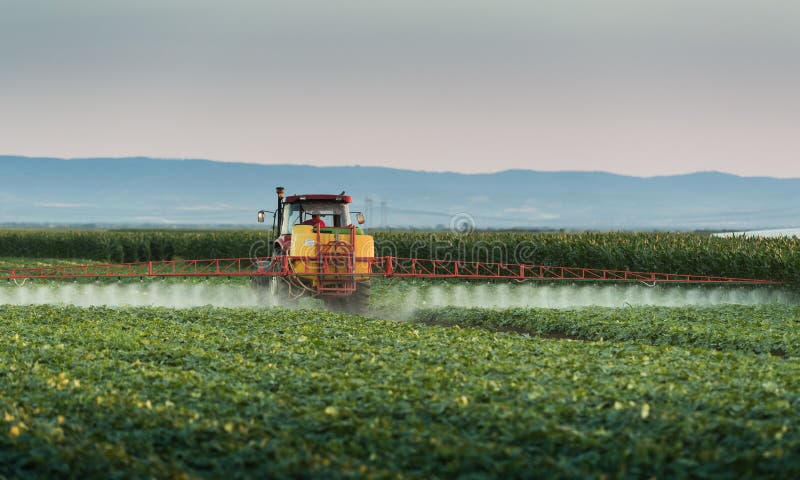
(368, 208)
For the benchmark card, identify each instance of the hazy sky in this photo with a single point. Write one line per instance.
(629, 86)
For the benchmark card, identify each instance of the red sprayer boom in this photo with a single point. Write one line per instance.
(389, 267)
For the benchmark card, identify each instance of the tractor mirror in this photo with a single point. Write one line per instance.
(360, 219)
(261, 216)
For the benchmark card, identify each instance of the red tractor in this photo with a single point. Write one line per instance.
(328, 255)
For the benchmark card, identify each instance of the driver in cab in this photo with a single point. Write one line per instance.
(315, 220)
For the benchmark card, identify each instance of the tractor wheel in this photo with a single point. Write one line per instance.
(261, 283)
(280, 290)
(276, 287)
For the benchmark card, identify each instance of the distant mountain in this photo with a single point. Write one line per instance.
(146, 191)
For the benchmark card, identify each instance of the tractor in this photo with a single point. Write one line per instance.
(328, 256)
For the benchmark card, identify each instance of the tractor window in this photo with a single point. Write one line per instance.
(333, 214)
(291, 216)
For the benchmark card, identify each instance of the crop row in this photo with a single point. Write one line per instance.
(765, 258)
(212, 392)
(771, 329)
(129, 246)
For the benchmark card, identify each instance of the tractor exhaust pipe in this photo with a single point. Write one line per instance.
(279, 191)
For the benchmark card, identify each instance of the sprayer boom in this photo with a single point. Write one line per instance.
(329, 266)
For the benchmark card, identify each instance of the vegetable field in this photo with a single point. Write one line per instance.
(773, 329)
(211, 392)
(424, 390)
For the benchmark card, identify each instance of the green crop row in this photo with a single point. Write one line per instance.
(233, 392)
(130, 246)
(763, 258)
(771, 329)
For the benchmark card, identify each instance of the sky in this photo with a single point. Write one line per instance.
(638, 87)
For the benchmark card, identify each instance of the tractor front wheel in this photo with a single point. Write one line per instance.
(277, 288)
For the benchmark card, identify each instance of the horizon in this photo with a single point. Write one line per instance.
(136, 191)
(488, 172)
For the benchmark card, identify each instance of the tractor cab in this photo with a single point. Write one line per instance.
(329, 214)
(333, 211)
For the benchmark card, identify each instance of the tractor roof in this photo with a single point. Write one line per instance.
(319, 197)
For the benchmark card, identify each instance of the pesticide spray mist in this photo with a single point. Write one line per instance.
(573, 296)
(155, 294)
(399, 297)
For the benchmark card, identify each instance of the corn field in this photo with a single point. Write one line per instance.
(765, 258)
